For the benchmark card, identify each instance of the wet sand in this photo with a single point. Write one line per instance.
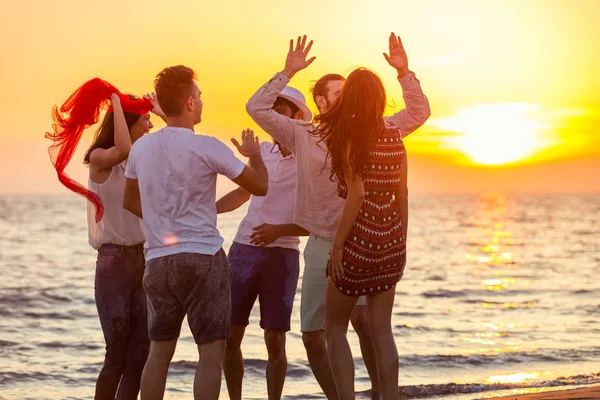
(592, 392)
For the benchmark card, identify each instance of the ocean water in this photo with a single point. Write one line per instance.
(500, 294)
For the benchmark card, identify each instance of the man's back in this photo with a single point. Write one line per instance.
(177, 172)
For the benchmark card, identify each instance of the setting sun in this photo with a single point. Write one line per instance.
(495, 134)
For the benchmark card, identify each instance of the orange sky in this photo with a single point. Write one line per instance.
(514, 85)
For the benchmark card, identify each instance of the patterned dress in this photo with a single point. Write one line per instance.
(375, 249)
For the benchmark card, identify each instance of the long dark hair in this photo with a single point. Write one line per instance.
(354, 121)
(105, 135)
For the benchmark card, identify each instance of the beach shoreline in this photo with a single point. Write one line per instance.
(580, 393)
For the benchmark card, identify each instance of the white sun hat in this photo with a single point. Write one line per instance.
(295, 96)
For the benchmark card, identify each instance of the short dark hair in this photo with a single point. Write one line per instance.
(320, 87)
(292, 106)
(173, 86)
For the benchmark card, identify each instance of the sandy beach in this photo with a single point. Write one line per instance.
(592, 392)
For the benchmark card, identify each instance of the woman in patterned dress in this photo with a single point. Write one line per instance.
(369, 250)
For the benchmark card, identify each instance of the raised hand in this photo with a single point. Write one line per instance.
(250, 145)
(156, 110)
(296, 57)
(397, 57)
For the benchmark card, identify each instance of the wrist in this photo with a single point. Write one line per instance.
(402, 72)
(335, 246)
(288, 73)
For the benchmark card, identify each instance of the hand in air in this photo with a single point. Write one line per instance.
(156, 110)
(397, 57)
(296, 57)
(250, 145)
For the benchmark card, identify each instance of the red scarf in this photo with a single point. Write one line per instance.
(80, 111)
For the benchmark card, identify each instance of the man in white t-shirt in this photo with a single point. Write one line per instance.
(264, 257)
(171, 183)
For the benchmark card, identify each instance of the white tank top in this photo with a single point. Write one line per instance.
(117, 226)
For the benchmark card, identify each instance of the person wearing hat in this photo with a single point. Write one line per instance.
(318, 207)
(264, 256)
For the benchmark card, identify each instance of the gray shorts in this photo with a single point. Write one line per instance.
(198, 285)
(314, 284)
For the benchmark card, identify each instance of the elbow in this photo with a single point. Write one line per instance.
(251, 109)
(262, 190)
(426, 111)
(123, 153)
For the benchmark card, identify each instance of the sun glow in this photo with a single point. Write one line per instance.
(495, 134)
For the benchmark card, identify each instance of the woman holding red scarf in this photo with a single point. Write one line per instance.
(115, 232)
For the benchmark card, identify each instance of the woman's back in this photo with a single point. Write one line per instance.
(375, 249)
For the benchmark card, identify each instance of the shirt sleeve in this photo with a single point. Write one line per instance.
(221, 159)
(281, 128)
(130, 171)
(417, 109)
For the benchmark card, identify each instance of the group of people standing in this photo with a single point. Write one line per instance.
(339, 178)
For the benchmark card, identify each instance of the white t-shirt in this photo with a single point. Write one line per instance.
(277, 207)
(177, 176)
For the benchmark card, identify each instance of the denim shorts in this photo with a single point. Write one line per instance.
(269, 273)
(198, 285)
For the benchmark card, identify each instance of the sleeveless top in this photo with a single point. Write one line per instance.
(117, 226)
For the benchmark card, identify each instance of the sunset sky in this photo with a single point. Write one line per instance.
(514, 86)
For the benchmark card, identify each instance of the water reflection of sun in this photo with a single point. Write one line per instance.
(513, 378)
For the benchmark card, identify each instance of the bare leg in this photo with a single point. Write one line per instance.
(234, 362)
(277, 362)
(338, 308)
(380, 320)
(360, 322)
(207, 383)
(154, 376)
(315, 344)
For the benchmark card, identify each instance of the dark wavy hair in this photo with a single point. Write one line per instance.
(354, 122)
(105, 135)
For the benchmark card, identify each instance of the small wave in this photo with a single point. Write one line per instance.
(585, 233)
(51, 315)
(469, 294)
(444, 293)
(47, 294)
(437, 278)
(410, 314)
(252, 367)
(70, 346)
(445, 389)
(6, 343)
(501, 358)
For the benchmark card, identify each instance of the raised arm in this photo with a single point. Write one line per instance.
(101, 159)
(417, 109)
(259, 107)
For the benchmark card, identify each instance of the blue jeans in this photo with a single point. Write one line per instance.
(121, 304)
